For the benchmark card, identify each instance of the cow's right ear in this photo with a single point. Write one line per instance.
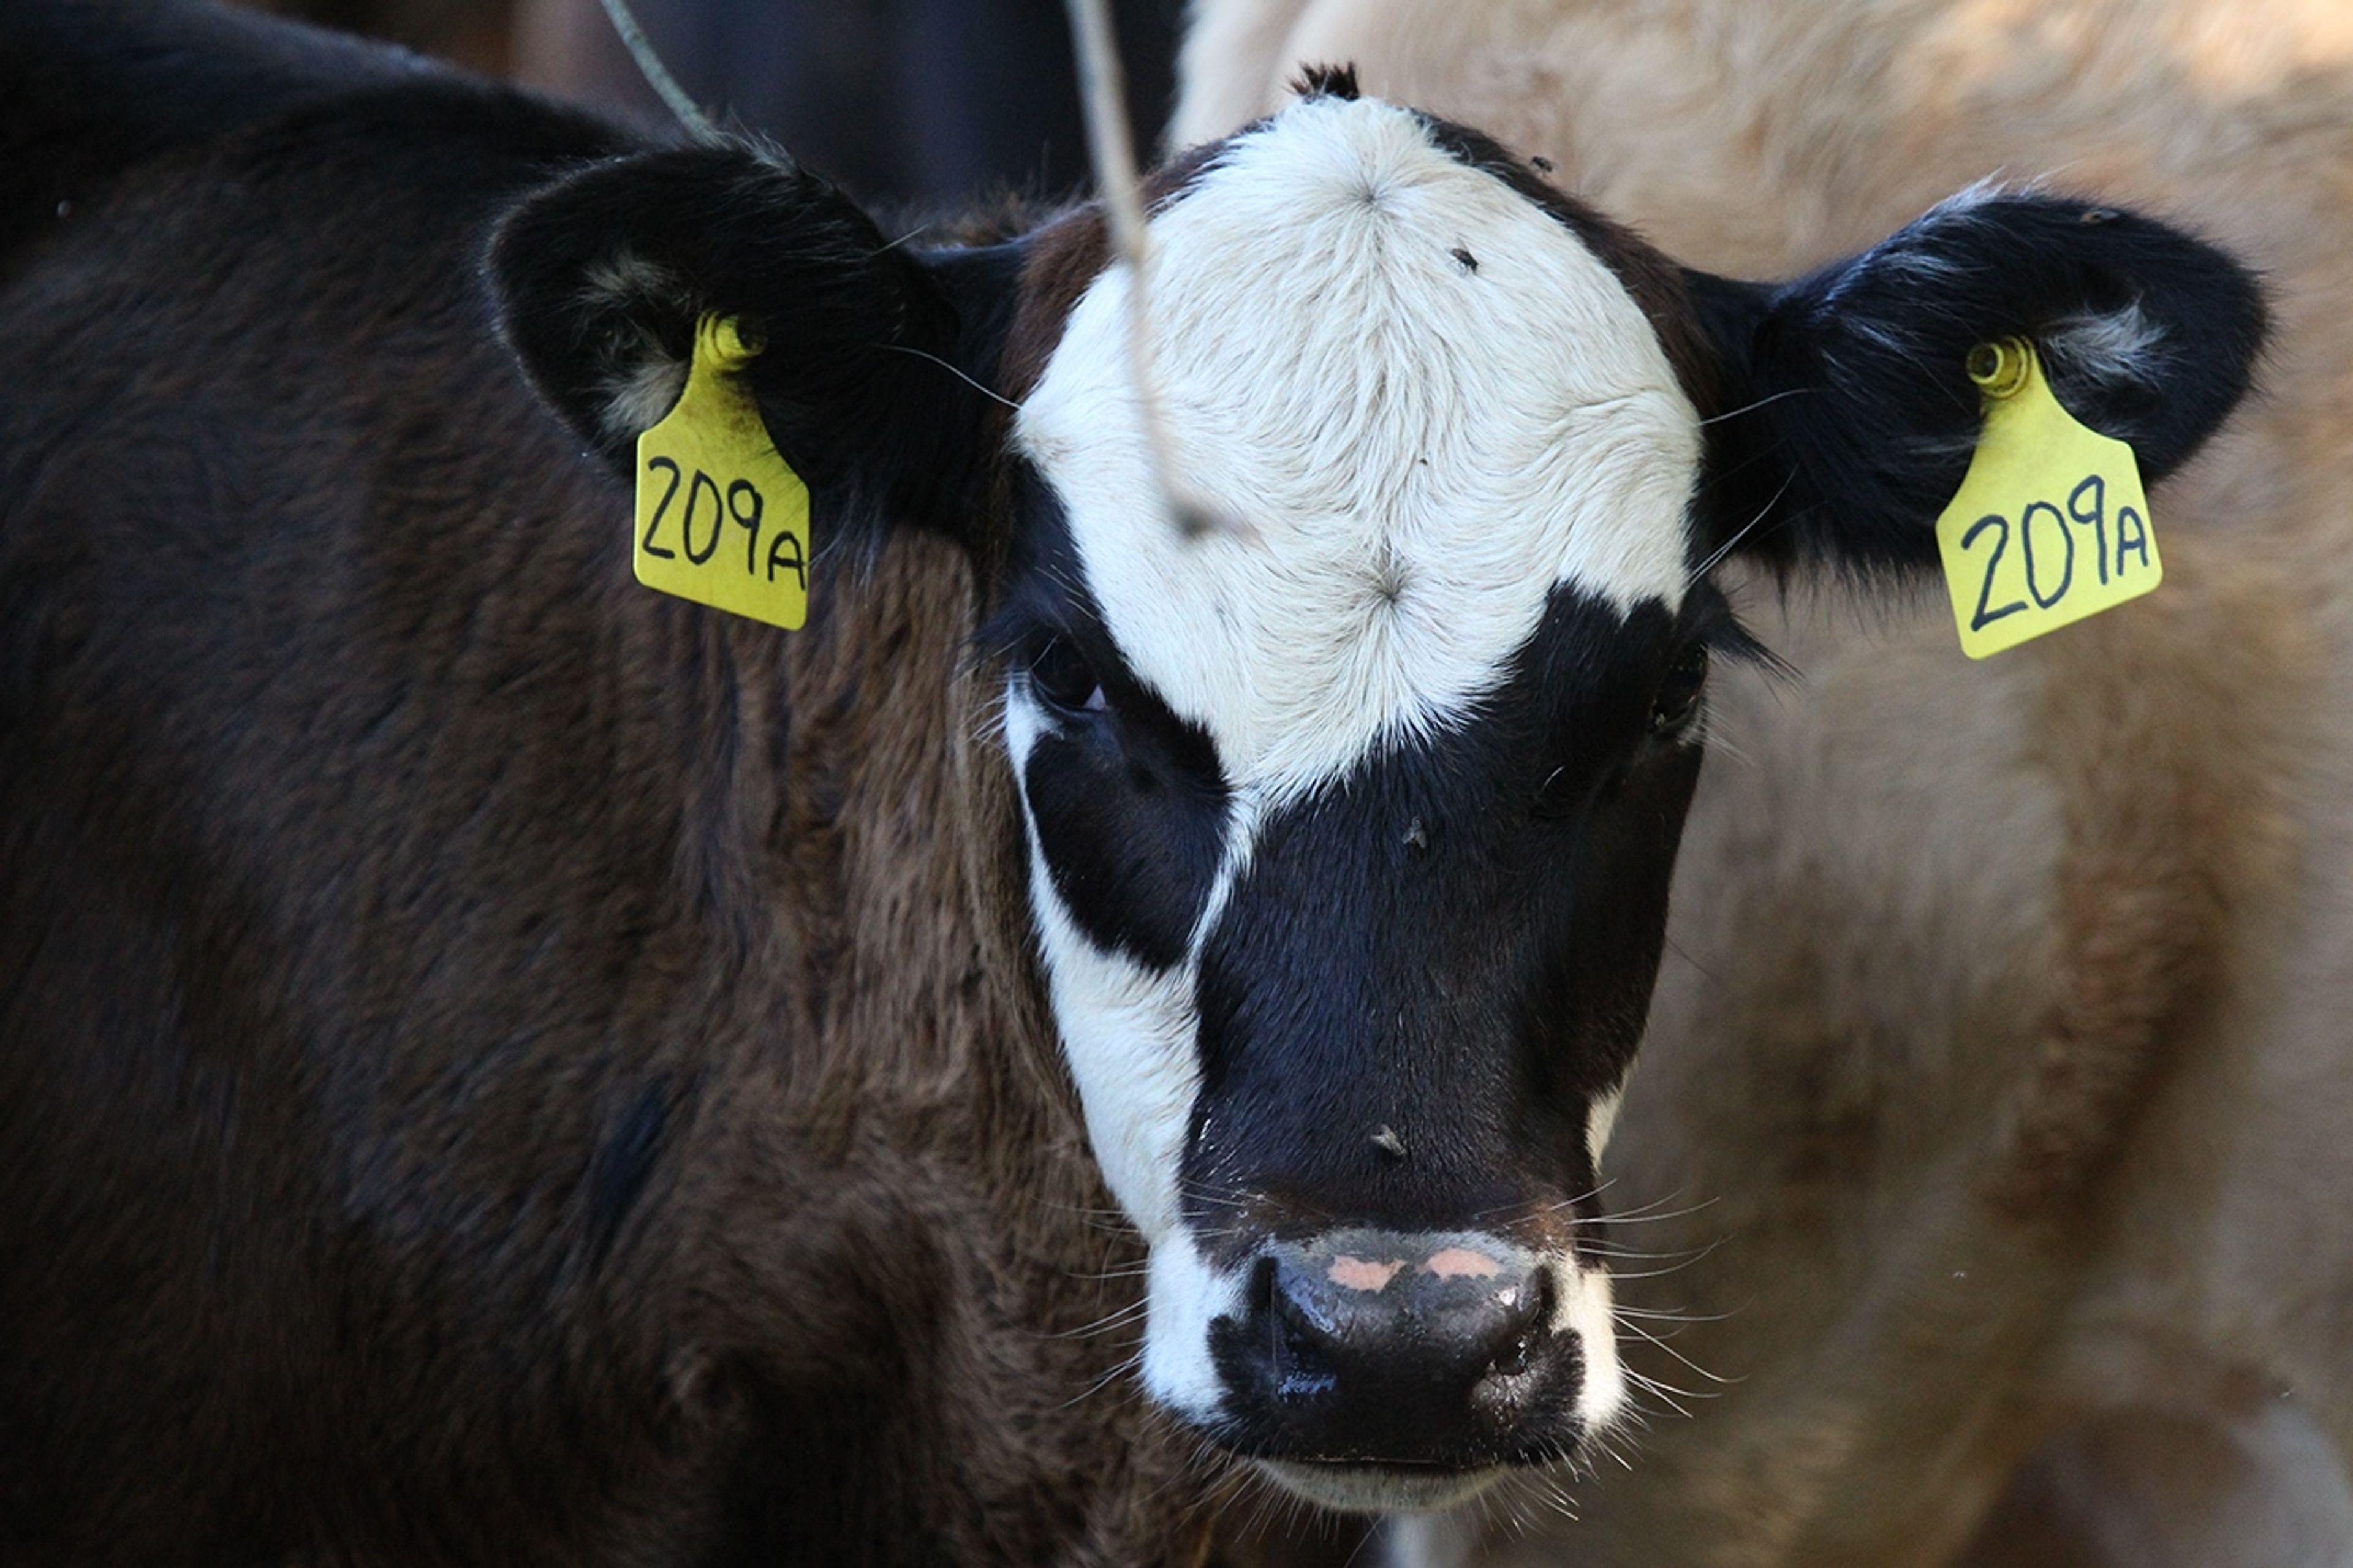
(874, 354)
(1848, 417)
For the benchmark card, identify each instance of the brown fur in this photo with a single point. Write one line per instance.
(1065, 258)
(2174, 827)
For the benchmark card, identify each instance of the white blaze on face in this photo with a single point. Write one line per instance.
(1585, 1310)
(1419, 448)
(1600, 1120)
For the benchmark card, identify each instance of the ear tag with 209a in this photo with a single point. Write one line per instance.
(722, 518)
(2051, 524)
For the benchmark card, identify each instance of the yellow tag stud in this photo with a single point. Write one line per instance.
(722, 518)
(2051, 525)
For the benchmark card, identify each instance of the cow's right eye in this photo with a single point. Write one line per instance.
(1677, 702)
(1064, 681)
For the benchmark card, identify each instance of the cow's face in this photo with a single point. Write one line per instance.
(1349, 821)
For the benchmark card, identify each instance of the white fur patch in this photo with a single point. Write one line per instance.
(1186, 1296)
(1600, 1120)
(640, 398)
(2114, 345)
(648, 386)
(1128, 1032)
(1418, 449)
(613, 280)
(1584, 1310)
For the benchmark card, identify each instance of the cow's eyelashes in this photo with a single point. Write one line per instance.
(1064, 681)
(1677, 700)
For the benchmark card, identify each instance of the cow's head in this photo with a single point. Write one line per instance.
(1350, 820)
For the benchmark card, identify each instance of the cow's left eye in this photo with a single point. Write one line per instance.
(1679, 693)
(1064, 681)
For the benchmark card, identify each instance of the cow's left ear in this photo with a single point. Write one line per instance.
(1847, 417)
(874, 353)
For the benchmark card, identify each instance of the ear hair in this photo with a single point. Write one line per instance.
(1848, 416)
(1326, 82)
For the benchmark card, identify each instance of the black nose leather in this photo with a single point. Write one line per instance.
(1406, 1348)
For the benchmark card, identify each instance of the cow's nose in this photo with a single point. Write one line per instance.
(1373, 1346)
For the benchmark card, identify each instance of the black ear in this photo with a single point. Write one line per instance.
(1848, 416)
(601, 278)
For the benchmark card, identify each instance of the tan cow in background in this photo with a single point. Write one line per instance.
(1996, 1124)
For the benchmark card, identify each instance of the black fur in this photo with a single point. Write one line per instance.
(1131, 803)
(170, 77)
(1456, 941)
(1848, 415)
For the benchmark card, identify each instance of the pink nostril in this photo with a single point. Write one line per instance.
(1357, 1274)
(1461, 1263)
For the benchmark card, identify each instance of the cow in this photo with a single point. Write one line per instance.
(501, 1066)
(1994, 1099)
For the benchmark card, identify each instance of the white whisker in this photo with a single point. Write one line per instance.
(989, 393)
(1729, 545)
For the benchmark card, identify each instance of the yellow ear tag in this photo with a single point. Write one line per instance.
(2051, 525)
(721, 520)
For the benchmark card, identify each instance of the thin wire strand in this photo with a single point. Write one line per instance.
(690, 114)
(1112, 150)
(919, 353)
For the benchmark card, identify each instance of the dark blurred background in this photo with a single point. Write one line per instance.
(927, 104)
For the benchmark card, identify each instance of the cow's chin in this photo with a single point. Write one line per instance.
(1380, 1488)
